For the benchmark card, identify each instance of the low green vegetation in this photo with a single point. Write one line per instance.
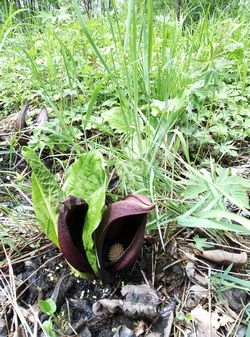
(85, 179)
(48, 307)
(161, 98)
(149, 99)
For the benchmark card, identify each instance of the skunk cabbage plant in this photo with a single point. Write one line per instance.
(90, 238)
(70, 227)
(21, 118)
(22, 126)
(119, 238)
(87, 180)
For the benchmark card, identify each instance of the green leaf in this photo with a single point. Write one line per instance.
(235, 187)
(193, 190)
(224, 278)
(191, 221)
(48, 327)
(120, 121)
(47, 306)
(87, 180)
(92, 102)
(46, 194)
(219, 184)
(195, 186)
(170, 106)
(228, 215)
(183, 144)
(248, 329)
(200, 243)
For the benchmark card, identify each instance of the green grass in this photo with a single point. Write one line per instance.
(157, 96)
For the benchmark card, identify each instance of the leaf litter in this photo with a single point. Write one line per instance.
(100, 310)
(206, 323)
(48, 276)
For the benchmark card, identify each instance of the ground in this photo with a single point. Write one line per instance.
(35, 269)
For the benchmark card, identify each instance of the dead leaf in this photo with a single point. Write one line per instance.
(27, 314)
(79, 327)
(20, 332)
(206, 322)
(140, 329)
(194, 277)
(196, 294)
(61, 288)
(106, 306)
(223, 318)
(140, 301)
(169, 324)
(163, 324)
(224, 258)
(4, 290)
(236, 298)
(140, 293)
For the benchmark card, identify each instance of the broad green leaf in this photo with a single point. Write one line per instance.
(47, 306)
(87, 180)
(195, 186)
(171, 106)
(48, 327)
(193, 190)
(122, 122)
(236, 187)
(219, 184)
(46, 194)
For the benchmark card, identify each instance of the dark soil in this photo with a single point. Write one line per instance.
(48, 276)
